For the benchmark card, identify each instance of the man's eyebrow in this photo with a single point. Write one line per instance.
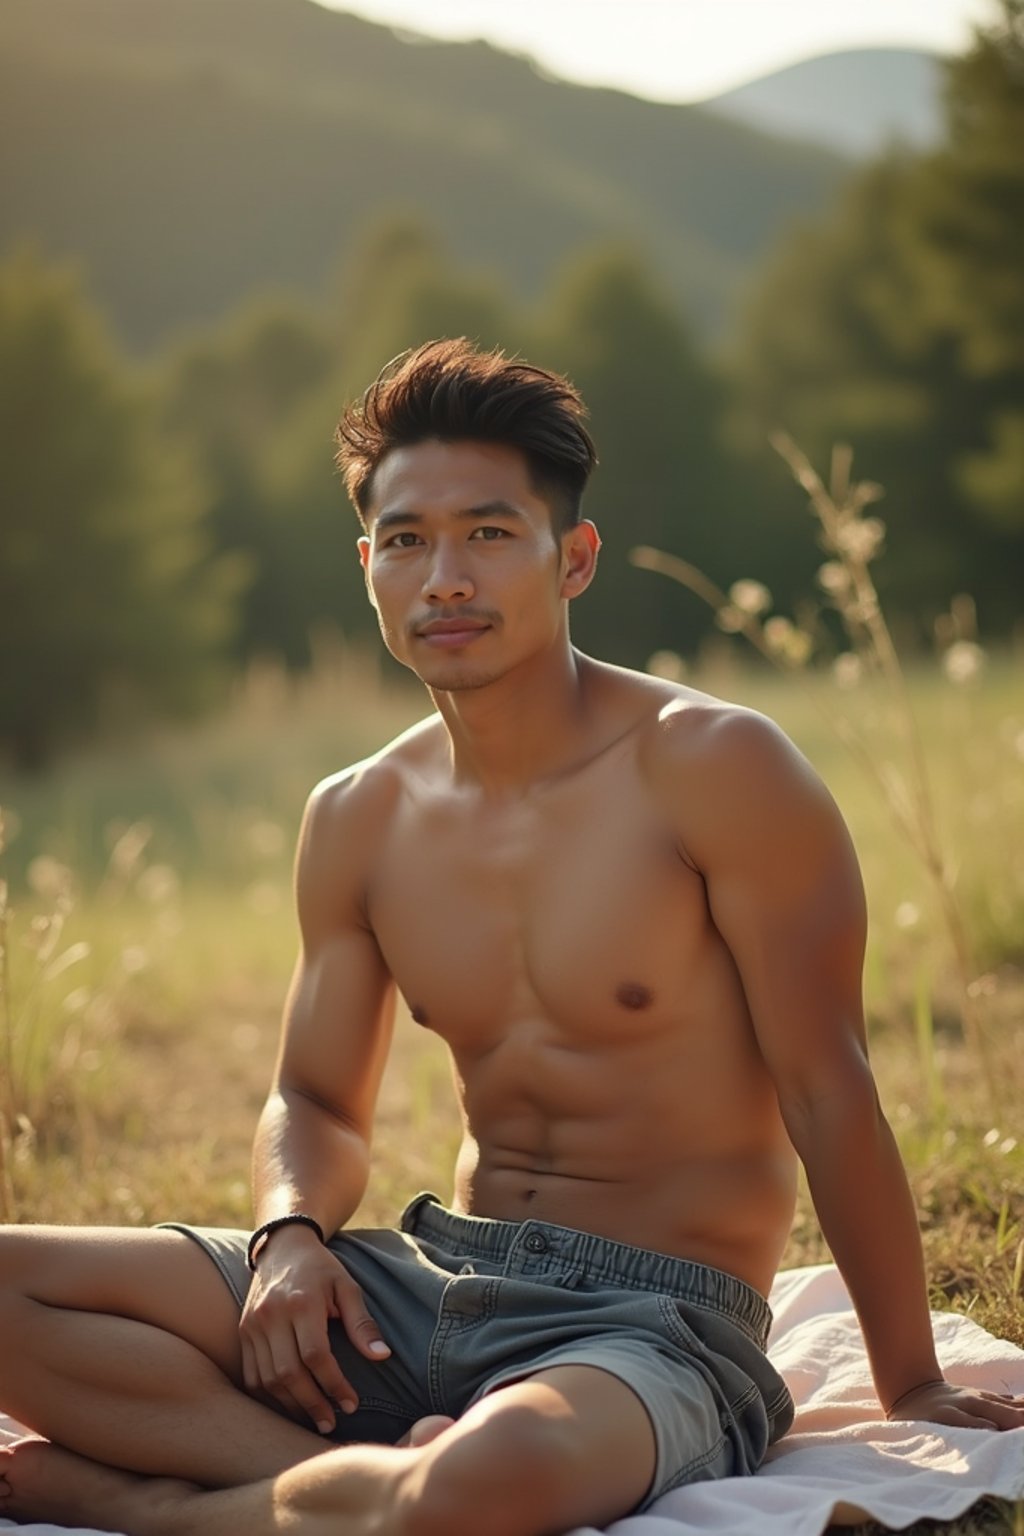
(400, 516)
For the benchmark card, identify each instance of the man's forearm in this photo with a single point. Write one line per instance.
(863, 1202)
(306, 1159)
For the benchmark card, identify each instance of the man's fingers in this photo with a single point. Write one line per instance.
(1004, 1415)
(290, 1381)
(358, 1323)
(315, 1352)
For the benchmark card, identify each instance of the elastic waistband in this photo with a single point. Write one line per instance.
(534, 1246)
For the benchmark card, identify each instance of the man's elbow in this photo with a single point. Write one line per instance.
(829, 1108)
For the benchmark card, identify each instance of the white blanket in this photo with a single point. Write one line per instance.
(840, 1462)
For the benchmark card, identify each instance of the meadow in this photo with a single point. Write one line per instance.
(148, 939)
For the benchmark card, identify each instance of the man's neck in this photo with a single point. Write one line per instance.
(528, 726)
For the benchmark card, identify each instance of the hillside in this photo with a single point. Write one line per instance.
(856, 101)
(192, 150)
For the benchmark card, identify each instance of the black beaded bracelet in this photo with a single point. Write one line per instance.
(261, 1234)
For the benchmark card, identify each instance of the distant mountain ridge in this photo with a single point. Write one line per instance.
(193, 150)
(856, 101)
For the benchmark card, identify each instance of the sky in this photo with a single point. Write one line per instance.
(682, 50)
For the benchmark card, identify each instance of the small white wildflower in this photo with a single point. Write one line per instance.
(777, 632)
(750, 597)
(1007, 1145)
(963, 662)
(861, 538)
(907, 915)
(847, 670)
(786, 641)
(833, 577)
(730, 619)
(991, 1137)
(667, 664)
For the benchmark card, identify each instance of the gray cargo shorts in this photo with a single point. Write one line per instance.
(469, 1304)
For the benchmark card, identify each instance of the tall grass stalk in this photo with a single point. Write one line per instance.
(852, 541)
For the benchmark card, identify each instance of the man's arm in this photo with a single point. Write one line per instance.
(311, 1152)
(784, 891)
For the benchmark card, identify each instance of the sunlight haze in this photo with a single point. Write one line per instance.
(681, 50)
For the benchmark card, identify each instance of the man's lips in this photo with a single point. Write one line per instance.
(451, 632)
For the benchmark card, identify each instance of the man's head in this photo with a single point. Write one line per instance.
(467, 471)
(450, 391)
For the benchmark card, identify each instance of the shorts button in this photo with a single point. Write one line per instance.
(535, 1243)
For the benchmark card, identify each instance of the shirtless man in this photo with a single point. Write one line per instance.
(634, 915)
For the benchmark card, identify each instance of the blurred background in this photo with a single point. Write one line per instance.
(725, 220)
(220, 217)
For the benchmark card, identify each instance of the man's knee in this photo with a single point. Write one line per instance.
(512, 1472)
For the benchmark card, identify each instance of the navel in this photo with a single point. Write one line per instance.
(632, 995)
(419, 1014)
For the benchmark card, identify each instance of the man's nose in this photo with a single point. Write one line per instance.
(447, 580)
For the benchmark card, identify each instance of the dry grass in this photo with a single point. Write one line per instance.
(135, 1067)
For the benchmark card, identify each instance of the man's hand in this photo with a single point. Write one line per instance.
(939, 1402)
(298, 1287)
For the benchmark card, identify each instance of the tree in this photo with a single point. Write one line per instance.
(229, 396)
(972, 214)
(897, 324)
(107, 587)
(398, 291)
(664, 477)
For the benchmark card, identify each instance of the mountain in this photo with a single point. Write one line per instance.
(856, 101)
(190, 151)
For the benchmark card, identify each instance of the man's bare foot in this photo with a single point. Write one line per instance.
(41, 1481)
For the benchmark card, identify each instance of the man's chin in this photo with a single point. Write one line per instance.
(455, 677)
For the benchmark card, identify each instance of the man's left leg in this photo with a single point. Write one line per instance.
(569, 1446)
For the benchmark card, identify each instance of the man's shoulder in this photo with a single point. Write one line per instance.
(695, 731)
(720, 770)
(366, 792)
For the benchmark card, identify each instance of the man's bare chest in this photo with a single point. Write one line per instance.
(572, 909)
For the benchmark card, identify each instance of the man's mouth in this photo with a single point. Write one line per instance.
(447, 634)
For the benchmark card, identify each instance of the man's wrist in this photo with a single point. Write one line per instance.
(933, 1381)
(290, 1221)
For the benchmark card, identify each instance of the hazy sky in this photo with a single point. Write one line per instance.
(682, 50)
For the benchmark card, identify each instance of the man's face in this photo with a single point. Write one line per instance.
(462, 563)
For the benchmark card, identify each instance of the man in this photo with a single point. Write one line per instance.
(634, 915)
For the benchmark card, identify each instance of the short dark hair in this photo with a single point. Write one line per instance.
(451, 390)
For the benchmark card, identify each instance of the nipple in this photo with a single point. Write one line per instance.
(632, 995)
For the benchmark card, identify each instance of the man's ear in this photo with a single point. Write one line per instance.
(580, 545)
(363, 546)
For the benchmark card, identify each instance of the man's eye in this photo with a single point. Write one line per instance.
(489, 534)
(398, 540)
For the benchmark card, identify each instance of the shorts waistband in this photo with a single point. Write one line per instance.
(529, 1245)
